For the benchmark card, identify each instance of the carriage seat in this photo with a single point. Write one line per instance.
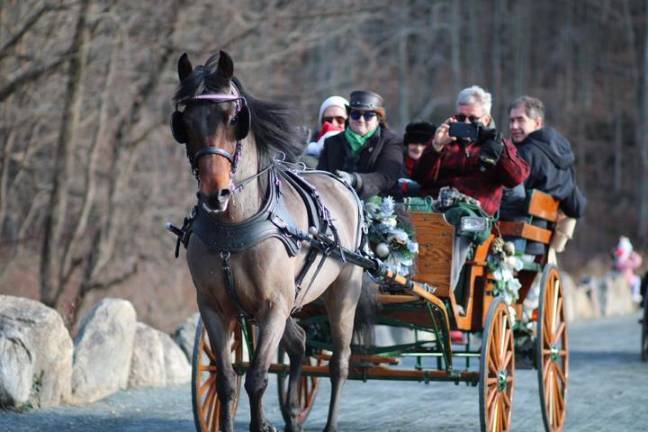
(537, 227)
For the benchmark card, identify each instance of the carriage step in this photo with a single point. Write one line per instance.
(362, 358)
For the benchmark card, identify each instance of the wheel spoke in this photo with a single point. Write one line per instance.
(207, 350)
(507, 360)
(208, 405)
(207, 368)
(493, 357)
(504, 339)
(208, 384)
(493, 414)
(216, 417)
(558, 334)
(492, 392)
(560, 374)
(546, 339)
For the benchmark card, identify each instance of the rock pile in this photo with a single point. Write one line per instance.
(40, 366)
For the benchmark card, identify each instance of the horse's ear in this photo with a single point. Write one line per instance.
(225, 66)
(184, 67)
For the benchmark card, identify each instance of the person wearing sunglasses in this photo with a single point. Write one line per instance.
(332, 120)
(471, 158)
(368, 155)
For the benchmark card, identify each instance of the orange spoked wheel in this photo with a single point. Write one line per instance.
(552, 349)
(308, 386)
(206, 406)
(497, 370)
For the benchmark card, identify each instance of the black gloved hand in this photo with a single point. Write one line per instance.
(352, 179)
(490, 149)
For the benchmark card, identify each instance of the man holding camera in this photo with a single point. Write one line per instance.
(468, 154)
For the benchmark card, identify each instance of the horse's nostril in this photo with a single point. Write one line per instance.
(224, 193)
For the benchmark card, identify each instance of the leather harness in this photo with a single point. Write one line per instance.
(272, 221)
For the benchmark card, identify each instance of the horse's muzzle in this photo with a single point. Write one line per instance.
(215, 202)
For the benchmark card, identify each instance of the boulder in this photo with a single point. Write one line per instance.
(16, 369)
(176, 365)
(147, 366)
(103, 350)
(35, 354)
(185, 335)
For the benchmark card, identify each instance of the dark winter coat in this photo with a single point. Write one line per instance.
(379, 163)
(551, 160)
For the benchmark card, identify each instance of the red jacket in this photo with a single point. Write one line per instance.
(459, 167)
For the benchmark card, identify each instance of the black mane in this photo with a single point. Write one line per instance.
(273, 125)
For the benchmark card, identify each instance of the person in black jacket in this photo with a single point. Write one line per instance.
(367, 155)
(551, 162)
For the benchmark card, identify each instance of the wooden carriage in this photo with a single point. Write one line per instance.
(429, 304)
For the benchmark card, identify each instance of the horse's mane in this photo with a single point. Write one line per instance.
(273, 125)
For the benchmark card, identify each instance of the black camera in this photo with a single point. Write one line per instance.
(467, 131)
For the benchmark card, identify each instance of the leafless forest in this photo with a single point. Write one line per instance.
(89, 171)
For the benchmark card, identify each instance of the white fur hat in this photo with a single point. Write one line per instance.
(338, 101)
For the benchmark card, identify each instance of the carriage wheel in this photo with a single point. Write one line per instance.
(496, 370)
(644, 330)
(552, 349)
(206, 406)
(308, 387)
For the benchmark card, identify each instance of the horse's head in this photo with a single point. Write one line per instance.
(211, 119)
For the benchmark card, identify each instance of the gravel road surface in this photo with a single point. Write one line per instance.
(608, 391)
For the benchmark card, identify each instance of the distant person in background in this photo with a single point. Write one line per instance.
(331, 120)
(626, 261)
(416, 139)
(551, 163)
(368, 155)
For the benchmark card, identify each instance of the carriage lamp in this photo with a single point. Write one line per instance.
(473, 224)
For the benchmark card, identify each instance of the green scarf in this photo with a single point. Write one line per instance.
(357, 141)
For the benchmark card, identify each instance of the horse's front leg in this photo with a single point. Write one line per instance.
(271, 328)
(341, 302)
(220, 334)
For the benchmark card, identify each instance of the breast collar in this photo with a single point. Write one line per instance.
(272, 220)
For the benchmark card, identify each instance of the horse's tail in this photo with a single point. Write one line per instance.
(365, 317)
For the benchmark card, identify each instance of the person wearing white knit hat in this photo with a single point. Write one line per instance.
(332, 118)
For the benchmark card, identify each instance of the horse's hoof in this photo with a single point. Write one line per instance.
(265, 427)
(294, 428)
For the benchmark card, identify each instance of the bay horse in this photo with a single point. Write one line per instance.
(247, 252)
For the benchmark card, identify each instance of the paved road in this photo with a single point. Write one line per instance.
(608, 392)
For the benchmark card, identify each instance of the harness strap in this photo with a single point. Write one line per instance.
(229, 285)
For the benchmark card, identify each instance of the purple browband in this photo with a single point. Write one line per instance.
(218, 96)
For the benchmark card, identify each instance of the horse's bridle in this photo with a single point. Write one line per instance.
(240, 105)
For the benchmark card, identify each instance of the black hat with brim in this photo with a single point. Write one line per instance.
(366, 101)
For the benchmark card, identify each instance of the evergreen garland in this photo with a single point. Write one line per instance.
(390, 235)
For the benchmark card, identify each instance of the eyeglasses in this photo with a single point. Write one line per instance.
(368, 115)
(334, 119)
(462, 118)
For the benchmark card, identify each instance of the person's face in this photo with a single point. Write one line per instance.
(362, 122)
(335, 115)
(415, 150)
(522, 125)
(472, 113)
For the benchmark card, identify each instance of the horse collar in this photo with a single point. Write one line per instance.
(272, 220)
